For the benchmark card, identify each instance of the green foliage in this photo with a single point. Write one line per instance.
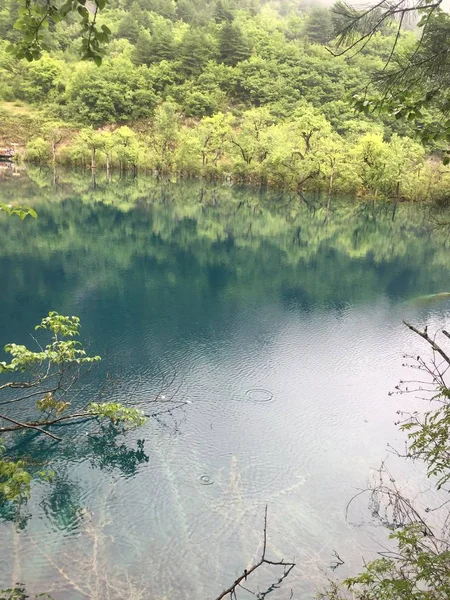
(319, 26)
(417, 570)
(429, 437)
(233, 47)
(39, 80)
(220, 59)
(118, 414)
(58, 351)
(35, 18)
(56, 366)
(420, 574)
(114, 92)
(15, 481)
(38, 150)
(18, 211)
(18, 592)
(301, 152)
(412, 83)
(162, 44)
(195, 50)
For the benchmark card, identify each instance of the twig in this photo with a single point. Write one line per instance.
(263, 560)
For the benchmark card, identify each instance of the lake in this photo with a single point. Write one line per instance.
(276, 322)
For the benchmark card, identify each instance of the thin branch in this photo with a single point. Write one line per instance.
(38, 424)
(263, 560)
(38, 393)
(17, 385)
(394, 46)
(426, 337)
(28, 426)
(265, 534)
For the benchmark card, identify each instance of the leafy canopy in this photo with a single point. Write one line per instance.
(36, 16)
(415, 79)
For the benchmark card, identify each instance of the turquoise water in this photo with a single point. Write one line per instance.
(277, 324)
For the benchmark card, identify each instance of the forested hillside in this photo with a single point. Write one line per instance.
(236, 89)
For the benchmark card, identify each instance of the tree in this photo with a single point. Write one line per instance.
(114, 92)
(195, 51)
(233, 47)
(162, 45)
(371, 153)
(142, 51)
(38, 150)
(39, 79)
(45, 377)
(412, 80)
(250, 139)
(55, 132)
(164, 135)
(319, 26)
(295, 152)
(107, 143)
(93, 141)
(334, 164)
(259, 81)
(129, 28)
(222, 12)
(126, 147)
(403, 159)
(213, 133)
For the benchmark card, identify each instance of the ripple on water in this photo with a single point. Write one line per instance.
(206, 480)
(259, 395)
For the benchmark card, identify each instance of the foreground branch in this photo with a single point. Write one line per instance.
(19, 425)
(232, 589)
(38, 424)
(423, 334)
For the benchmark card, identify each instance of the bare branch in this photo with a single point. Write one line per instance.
(263, 560)
(425, 336)
(20, 425)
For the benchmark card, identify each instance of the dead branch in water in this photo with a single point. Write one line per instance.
(288, 566)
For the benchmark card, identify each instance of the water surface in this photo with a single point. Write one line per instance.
(278, 322)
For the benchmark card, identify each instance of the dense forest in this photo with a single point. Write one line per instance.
(242, 91)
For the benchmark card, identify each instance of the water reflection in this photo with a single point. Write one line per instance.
(244, 296)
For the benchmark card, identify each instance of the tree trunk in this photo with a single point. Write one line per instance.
(330, 183)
